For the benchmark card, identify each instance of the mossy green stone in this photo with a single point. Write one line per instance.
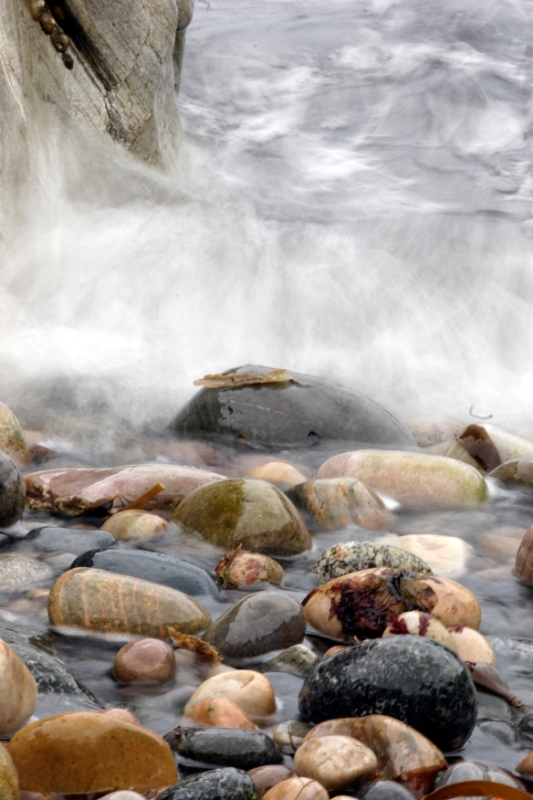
(249, 512)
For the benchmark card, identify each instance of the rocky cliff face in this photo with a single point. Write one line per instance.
(118, 77)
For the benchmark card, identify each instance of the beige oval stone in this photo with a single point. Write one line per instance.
(297, 789)
(456, 605)
(446, 555)
(240, 569)
(134, 525)
(472, 646)
(415, 479)
(9, 782)
(145, 661)
(277, 472)
(18, 691)
(250, 690)
(419, 623)
(337, 762)
(103, 602)
(12, 440)
(90, 752)
(220, 712)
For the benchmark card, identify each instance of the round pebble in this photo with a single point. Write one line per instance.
(145, 661)
(337, 762)
(251, 691)
(297, 789)
(220, 712)
(135, 525)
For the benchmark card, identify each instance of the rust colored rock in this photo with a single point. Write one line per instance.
(135, 524)
(145, 661)
(12, 439)
(335, 761)
(363, 603)
(18, 691)
(73, 491)
(240, 569)
(265, 778)
(403, 754)
(523, 569)
(220, 712)
(103, 602)
(525, 767)
(414, 479)
(90, 752)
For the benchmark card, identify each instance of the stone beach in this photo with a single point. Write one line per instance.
(218, 657)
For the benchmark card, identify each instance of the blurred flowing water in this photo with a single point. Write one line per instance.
(353, 199)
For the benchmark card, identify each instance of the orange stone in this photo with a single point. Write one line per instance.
(220, 713)
(87, 751)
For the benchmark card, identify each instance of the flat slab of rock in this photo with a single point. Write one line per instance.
(73, 491)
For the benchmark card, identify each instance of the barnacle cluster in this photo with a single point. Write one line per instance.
(49, 17)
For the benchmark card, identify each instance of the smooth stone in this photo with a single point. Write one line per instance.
(96, 601)
(515, 474)
(219, 712)
(276, 472)
(12, 439)
(418, 623)
(337, 762)
(9, 781)
(88, 752)
(473, 771)
(428, 431)
(18, 691)
(74, 490)
(251, 513)
(300, 411)
(240, 569)
(334, 503)
(413, 679)
(500, 730)
(470, 645)
(250, 690)
(296, 660)
(403, 754)
(446, 555)
(70, 540)
(12, 492)
(216, 784)
(124, 794)
(414, 479)
(122, 714)
(224, 747)
(523, 569)
(384, 790)
(19, 573)
(354, 556)
(268, 776)
(257, 624)
(297, 789)
(363, 603)
(149, 566)
(134, 525)
(290, 735)
(145, 661)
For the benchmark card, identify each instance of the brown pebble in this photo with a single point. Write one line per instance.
(47, 22)
(297, 789)
(265, 778)
(337, 762)
(145, 661)
(220, 712)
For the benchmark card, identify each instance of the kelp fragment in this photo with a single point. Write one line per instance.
(232, 379)
(194, 645)
(478, 444)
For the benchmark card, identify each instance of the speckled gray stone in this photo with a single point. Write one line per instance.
(18, 573)
(414, 679)
(257, 624)
(217, 784)
(12, 491)
(67, 540)
(224, 747)
(347, 557)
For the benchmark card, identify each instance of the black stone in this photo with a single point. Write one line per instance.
(218, 784)
(383, 790)
(298, 413)
(12, 492)
(67, 540)
(225, 747)
(151, 566)
(258, 624)
(414, 679)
